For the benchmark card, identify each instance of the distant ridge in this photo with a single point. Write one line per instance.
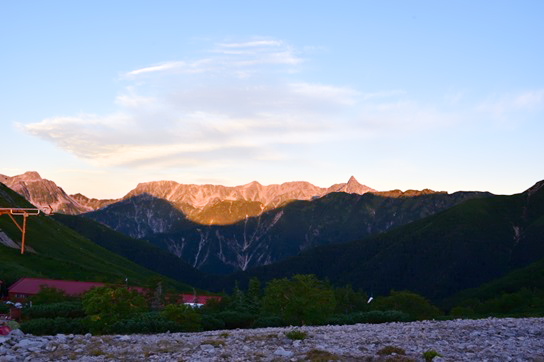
(44, 194)
(200, 203)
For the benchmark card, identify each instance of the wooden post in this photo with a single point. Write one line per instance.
(25, 213)
(25, 216)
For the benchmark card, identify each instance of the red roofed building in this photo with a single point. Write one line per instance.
(27, 287)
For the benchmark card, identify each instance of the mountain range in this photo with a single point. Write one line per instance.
(274, 235)
(433, 243)
(205, 204)
(461, 247)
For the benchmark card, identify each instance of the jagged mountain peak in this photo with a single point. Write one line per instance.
(43, 193)
(351, 187)
(252, 184)
(30, 176)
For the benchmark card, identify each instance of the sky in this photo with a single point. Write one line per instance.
(99, 96)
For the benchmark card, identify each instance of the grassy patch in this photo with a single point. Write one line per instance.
(430, 354)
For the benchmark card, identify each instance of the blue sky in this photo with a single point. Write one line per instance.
(100, 95)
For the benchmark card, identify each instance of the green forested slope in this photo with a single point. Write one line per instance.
(61, 252)
(462, 247)
(136, 250)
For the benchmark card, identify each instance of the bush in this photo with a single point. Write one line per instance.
(52, 326)
(268, 321)
(13, 324)
(430, 354)
(185, 316)
(210, 322)
(378, 316)
(296, 335)
(462, 312)
(341, 319)
(4, 308)
(524, 302)
(303, 299)
(48, 295)
(110, 305)
(411, 303)
(72, 309)
(236, 319)
(145, 323)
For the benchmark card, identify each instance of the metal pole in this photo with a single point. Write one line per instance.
(25, 215)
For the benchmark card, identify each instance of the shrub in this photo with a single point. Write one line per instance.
(13, 324)
(210, 323)
(411, 303)
(185, 316)
(268, 321)
(341, 319)
(296, 335)
(378, 316)
(108, 305)
(48, 295)
(145, 323)
(72, 309)
(430, 354)
(236, 319)
(52, 326)
(4, 308)
(302, 300)
(462, 312)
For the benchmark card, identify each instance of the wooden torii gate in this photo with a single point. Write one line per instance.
(25, 213)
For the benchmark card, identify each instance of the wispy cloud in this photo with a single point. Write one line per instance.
(228, 57)
(504, 105)
(241, 102)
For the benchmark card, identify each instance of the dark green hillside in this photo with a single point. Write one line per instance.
(61, 252)
(139, 251)
(462, 247)
(275, 235)
(520, 291)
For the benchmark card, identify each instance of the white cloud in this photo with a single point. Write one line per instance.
(530, 100)
(158, 68)
(503, 106)
(241, 104)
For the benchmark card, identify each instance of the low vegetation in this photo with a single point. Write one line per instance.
(296, 335)
(430, 355)
(301, 300)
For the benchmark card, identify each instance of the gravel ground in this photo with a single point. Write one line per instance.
(490, 339)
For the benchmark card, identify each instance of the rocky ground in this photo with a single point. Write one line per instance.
(459, 340)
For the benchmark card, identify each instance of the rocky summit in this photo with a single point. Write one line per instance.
(458, 340)
(200, 203)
